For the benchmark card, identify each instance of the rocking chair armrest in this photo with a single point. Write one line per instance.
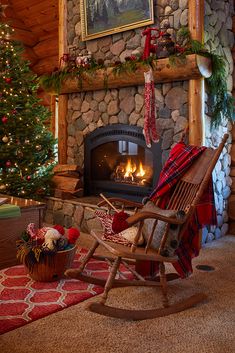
(141, 216)
(122, 201)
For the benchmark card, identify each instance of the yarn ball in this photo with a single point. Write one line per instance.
(119, 221)
(59, 228)
(72, 235)
(62, 243)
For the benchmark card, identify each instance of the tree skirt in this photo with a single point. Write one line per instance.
(23, 300)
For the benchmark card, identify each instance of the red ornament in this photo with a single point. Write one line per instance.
(8, 79)
(73, 234)
(4, 119)
(180, 49)
(28, 178)
(14, 111)
(59, 228)
(8, 164)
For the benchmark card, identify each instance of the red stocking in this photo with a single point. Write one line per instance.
(150, 131)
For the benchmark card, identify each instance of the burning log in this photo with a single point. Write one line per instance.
(130, 173)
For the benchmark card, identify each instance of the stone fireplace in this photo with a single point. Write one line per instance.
(89, 112)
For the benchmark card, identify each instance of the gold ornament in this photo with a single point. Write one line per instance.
(5, 139)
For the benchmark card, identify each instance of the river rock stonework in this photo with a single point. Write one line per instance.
(219, 39)
(88, 111)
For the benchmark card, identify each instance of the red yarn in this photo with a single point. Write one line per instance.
(119, 222)
(72, 235)
(59, 228)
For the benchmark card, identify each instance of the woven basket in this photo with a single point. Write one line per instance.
(53, 267)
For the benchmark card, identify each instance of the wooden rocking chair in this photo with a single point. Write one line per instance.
(186, 196)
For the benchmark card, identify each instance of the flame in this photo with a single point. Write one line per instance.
(131, 172)
(141, 171)
(130, 169)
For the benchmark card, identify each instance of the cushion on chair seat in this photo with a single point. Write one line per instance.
(172, 238)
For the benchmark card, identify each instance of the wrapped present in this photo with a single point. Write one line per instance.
(9, 211)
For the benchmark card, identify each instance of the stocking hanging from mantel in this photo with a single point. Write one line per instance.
(150, 130)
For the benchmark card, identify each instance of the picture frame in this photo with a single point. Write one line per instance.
(105, 17)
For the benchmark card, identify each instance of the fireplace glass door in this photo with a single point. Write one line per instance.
(120, 165)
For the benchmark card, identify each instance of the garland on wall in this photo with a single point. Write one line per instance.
(221, 103)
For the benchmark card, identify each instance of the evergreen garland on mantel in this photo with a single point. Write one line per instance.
(221, 103)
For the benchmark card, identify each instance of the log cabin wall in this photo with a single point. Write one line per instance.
(36, 26)
(87, 111)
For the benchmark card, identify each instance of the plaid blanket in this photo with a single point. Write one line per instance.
(180, 159)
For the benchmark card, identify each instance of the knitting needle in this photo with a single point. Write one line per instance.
(109, 203)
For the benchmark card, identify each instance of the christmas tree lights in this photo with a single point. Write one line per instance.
(27, 148)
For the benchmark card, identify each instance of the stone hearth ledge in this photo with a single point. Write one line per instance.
(74, 213)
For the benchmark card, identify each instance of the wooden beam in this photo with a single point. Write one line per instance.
(40, 7)
(46, 48)
(63, 100)
(46, 65)
(62, 129)
(25, 36)
(194, 67)
(30, 55)
(196, 86)
(21, 33)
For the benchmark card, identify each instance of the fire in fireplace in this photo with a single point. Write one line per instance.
(131, 173)
(118, 162)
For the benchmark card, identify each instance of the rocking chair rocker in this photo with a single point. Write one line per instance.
(186, 196)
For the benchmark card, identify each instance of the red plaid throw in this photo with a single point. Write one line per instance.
(180, 159)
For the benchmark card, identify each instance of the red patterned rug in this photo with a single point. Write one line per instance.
(23, 300)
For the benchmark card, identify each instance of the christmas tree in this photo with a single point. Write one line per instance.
(26, 146)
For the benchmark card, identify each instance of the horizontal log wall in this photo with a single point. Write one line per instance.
(36, 26)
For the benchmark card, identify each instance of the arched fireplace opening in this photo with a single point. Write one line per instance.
(117, 162)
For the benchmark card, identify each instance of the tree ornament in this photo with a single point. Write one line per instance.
(26, 141)
(4, 119)
(28, 177)
(40, 191)
(8, 164)
(14, 111)
(5, 139)
(19, 153)
(3, 187)
(8, 80)
(38, 147)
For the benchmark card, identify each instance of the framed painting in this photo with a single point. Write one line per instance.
(103, 17)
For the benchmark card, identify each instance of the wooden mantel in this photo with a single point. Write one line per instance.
(194, 67)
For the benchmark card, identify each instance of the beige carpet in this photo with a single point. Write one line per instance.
(206, 328)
